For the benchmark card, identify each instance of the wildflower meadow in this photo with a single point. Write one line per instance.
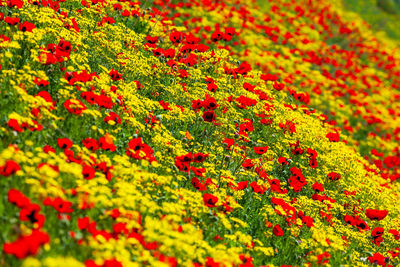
(197, 133)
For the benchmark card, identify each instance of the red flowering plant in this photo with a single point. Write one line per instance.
(251, 133)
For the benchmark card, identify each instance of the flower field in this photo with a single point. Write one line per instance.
(197, 133)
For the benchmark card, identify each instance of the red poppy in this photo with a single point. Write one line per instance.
(104, 101)
(199, 157)
(216, 36)
(89, 96)
(190, 60)
(47, 97)
(209, 116)
(169, 53)
(283, 161)
(83, 223)
(202, 48)
(106, 19)
(209, 80)
(115, 75)
(245, 102)
(11, 21)
(210, 200)
(276, 186)
(277, 230)
(165, 105)
(88, 172)
(313, 163)
(312, 153)
(191, 39)
(63, 49)
(112, 116)
(395, 233)
(377, 215)
(377, 234)
(59, 204)
(125, 13)
(158, 52)
(230, 31)
(13, 124)
(151, 39)
(229, 142)
(226, 37)
(90, 143)
(9, 168)
(241, 185)
(297, 179)
(318, 187)
(259, 189)
(248, 164)
(183, 73)
(198, 171)
(17, 198)
(182, 166)
(47, 58)
(349, 219)
(117, 6)
(288, 126)
(333, 137)
(15, 3)
(136, 144)
(139, 150)
(303, 97)
(361, 225)
(106, 143)
(260, 150)
(307, 220)
(197, 104)
(64, 143)
(198, 185)
(279, 86)
(243, 68)
(377, 258)
(323, 258)
(27, 245)
(176, 37)
(31, 213)
(187, 158)
(26, 26)
(187, 48)
(248, 87)
(269, 77)
(212, 87)
(246, 127)
(210, 103)
(377, 231)
(210, 262)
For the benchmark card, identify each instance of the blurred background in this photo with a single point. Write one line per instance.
(382, 15)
